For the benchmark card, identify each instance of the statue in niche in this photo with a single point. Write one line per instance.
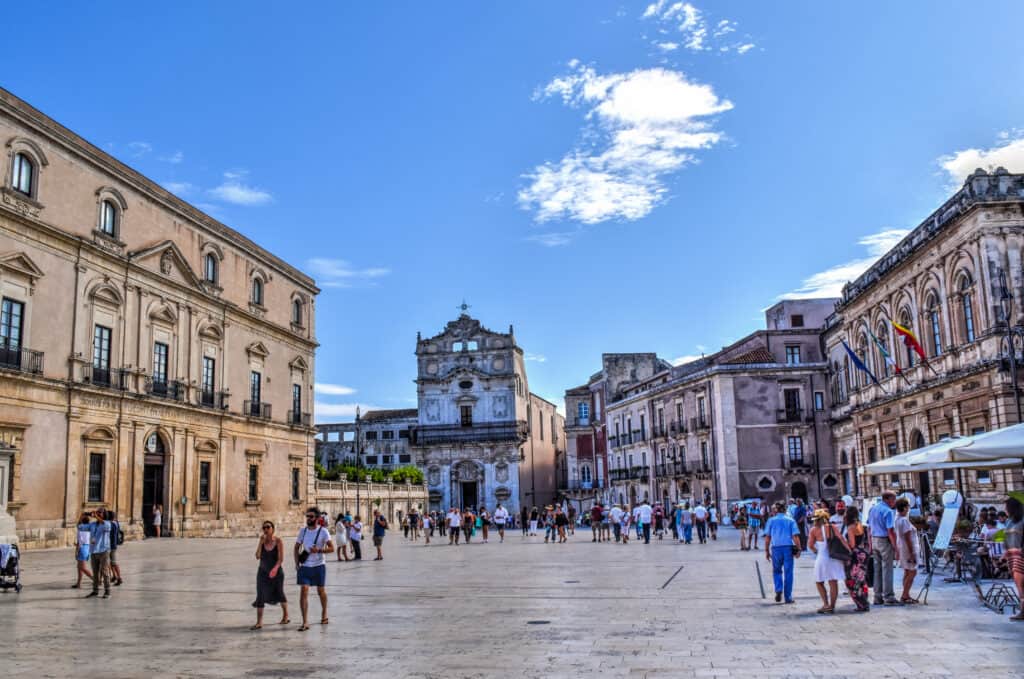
(434, 476)
(165, 262)
(501, 472)
(500, 406)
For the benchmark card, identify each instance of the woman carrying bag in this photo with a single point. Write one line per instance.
(829, 548)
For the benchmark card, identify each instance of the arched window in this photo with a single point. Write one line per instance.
(257, 291)
(862, 351)
(883, 349)
(23, 175)
(210, 267)
(297, 311)
(935, 324)
(108, 218)
(967, 306)
(906, 323)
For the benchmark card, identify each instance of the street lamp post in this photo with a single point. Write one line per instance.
(1012, 338)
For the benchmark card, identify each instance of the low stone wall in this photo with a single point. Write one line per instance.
(394, 499)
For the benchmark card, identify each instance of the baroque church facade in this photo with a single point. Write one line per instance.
(481, 436)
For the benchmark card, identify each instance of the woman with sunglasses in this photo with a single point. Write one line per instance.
(270, 576)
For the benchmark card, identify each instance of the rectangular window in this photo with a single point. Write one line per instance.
(701, 414)
(159, 363)
(872, 454)
(796, 449)
(796, 321)
(819, 400)
(404, 459)
(894, 479)
(403, 433)
(540, 420)
(466, 416)
(643, 428)
(891, 450)
(254, 483)
(661, 421)
(583, 413)
(371, 436)
(97, 462)
(255, 391)
(297, 402)
(204, 481)
(209, 370)
(984, 476)
(948, 479)
(296, 486)
(385, 459)
(387, 435)
(704, 455)
(101, 348)
(11, 320)
(371, 459)
(679, 415)
(791, 398)
(792, 355)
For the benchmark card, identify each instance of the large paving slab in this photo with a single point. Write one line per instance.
(519, 609)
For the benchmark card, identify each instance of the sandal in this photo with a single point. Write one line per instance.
(1019, 616)
(822, 610)
(908, 601)
(324, 621)
(255, 627)
(284, 622)
(303, 628)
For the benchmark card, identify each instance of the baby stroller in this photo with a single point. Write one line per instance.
(10, 568)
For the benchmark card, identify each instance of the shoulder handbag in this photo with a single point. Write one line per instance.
(836, 549)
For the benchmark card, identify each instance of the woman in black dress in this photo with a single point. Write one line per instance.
(270, 576)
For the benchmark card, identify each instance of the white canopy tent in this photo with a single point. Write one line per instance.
(1001, 444)
(936, 457)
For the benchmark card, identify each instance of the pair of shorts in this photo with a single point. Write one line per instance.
(378, 540)
(311, 576)
(113, 557)
(83, 553)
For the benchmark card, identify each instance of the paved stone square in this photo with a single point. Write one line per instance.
(519, 609)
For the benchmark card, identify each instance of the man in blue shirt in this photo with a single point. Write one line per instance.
(881, 525)
(780, 537)
(799, 515)
(100, 554)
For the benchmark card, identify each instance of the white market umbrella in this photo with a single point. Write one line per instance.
(1001, 444)
(937, 456)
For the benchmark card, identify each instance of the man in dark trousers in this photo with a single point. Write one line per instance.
(380, 526)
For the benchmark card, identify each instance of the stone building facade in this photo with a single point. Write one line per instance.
(748, 421)
(148, 353)
(480, 436)
(957, 282)
(378, 438)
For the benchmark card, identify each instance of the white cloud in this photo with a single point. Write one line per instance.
(539, 358)
(139, 148)
(647, 123)
(667, 46)
(234, 190)
(178, 188)
(553, 239)
(830, 282)
(1008, 153)
(339, 410)
(695, 33)
(339, 273)
(685, 359)
(332, 389)
(173, 158)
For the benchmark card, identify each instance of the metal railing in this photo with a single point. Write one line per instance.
(797, 461)
(173, 389)
(453, 433)
(16, 357)
(213, 399)
(790, 415)
(116, 378)
(579, 422)
(299, 418)
(698, 423)
(256, 409)
(582, 485)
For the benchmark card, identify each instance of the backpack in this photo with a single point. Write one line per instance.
(118, 534)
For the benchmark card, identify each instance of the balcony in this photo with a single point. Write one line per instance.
(217, 400)
(790, 415)
(698, 424)
(256, 409)
(677, 428)
(16, 357)
(453, 433)
(172, 390)
(576, 484)
(299, 419)
(800, 464)
(578, 422)
(658, 432)
(107, 378)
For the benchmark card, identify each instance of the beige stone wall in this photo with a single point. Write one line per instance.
(395, 500)
(542, 450)
(145, 283)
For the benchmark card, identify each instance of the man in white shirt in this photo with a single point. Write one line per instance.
(616, 517)
(500, 517)
(454, 520)
(700, 516)
(312, 542)
(644, 514)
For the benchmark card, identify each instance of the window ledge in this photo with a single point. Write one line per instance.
(107, 238)
(298, 327)
(295, 502)
(253, 503)
(21, 203)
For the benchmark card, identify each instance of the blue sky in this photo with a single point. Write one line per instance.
(607, 176)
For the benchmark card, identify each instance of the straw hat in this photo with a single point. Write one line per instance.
(821, 515)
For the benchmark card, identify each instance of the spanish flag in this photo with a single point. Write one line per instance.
(910, 340)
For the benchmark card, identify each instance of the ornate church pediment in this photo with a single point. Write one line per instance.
(166, 258)
(20, 263)
(258, 349)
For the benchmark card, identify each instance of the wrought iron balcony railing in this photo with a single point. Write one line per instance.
(110, 378)
(217, 400)
(256, 409)
(453, 433)
(173, 390)
(13, 356)
(299, 418)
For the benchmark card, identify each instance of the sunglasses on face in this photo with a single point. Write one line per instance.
(267, 527)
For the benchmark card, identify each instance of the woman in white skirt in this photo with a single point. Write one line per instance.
(341, 536)
(826, 569)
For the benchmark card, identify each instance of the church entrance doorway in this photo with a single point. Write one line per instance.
(469, 495)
